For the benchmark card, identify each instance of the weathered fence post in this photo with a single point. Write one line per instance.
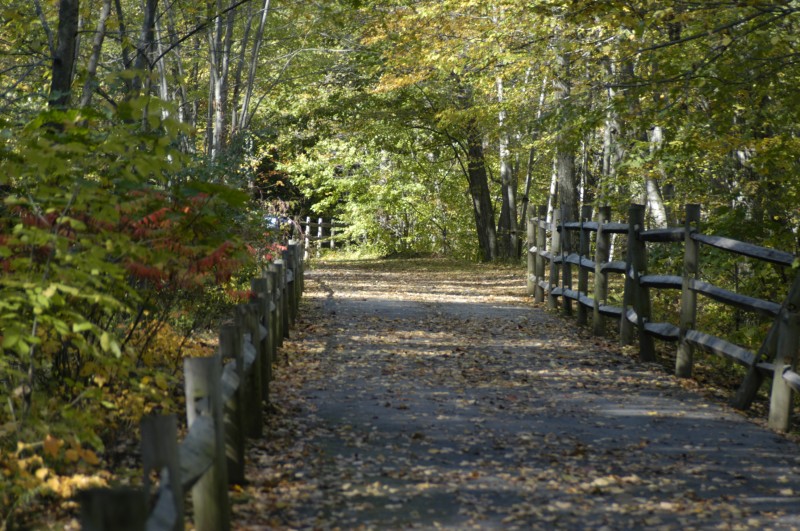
(307, 237)
(555, 250)
(121, 509)
(641, 294)
(583, 273)
(289, 261)
(541, 245)
(566, 267)
(277, 268)
(234, 410)
(752, 383)
(780, 405)
(301, 277)
(252, 378)
(159, 452)
(685, 354)
(259, 288)
(284, 287)
(297, 278)
(532, 248)
(625, 326)
(274, 316)
(204, 398)
(601, 256)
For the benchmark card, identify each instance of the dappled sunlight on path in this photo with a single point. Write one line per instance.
(422, 394)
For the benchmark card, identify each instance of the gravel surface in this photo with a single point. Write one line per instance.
(425, 394)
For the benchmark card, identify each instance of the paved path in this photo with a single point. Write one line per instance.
(425, 403)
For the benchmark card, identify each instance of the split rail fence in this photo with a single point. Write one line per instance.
(224, 405)
(320, 233)
(551, 276)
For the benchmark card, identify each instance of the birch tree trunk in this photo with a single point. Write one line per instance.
(238, 69)
(244, 116)
(655, 199)
(508, 209)
(97, 46)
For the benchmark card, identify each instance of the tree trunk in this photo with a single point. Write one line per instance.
(239, 68)
(63, 66)
(97, 47)
(508, 209)
(244, 116)
(481, 198)
(145, 46)
(221, 41)
(565, 154)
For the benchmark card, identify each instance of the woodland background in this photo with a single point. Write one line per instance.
(143, 142)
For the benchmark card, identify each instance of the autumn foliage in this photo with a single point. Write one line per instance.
(116, 253)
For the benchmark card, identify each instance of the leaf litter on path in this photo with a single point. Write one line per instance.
(425, 394)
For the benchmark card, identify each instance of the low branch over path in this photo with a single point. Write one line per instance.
(426, 394)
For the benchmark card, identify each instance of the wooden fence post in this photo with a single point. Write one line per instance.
(121, 509)
(625, 326)
(283, 281)
(254, 309)
(601, 256)
(566, 267)
(532, 247)
(288, 260)
(685, 353)
(160, 451)
(555, 250)
(259, 288)
(297, 279)
(277, 268)
(541, 247)
(307, 237)
(234, 410)
(301, 277)
(274, 316)
(641, 294)
(204, 397)
(252, 378)
(320, 234)
(583, 273)
(780, 405)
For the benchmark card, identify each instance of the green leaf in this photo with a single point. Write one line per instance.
(82, 327)
(10, 339)
(105, 341)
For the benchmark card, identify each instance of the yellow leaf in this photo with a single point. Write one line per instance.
(52, 446)
(90, 457)
(42, 473)
(161, 382)
(72, 455)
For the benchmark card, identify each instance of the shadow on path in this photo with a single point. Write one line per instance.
(434, 398)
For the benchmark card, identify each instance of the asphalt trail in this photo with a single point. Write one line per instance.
(433, 398)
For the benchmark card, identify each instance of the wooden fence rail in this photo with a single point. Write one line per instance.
(319, 233)
(224, 405)
(552, 253)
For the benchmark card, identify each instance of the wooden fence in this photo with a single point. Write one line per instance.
(551, 276)
(320, 233)
(224, 405)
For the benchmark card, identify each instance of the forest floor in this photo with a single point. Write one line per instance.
(425, 394)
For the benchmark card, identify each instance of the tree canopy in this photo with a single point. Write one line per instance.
(143, 142)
